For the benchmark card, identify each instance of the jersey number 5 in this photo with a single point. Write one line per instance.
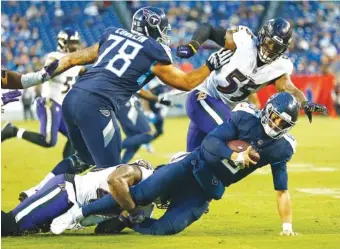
(233, 86)
(69, 81)
(121, 55)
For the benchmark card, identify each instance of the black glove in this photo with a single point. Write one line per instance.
(219, 58)
(187, 50)
(310, 107)
(136, 218)
(164, 101)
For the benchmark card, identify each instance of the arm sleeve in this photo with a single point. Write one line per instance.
(280, 176)
(208, 32)
(214, 146)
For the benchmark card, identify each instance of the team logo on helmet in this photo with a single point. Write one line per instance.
(152, 18)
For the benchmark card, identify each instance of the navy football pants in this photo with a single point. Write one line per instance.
(93, 128)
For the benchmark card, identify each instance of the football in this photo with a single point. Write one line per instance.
(239, 146)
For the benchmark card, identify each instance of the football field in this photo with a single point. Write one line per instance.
(246, 217)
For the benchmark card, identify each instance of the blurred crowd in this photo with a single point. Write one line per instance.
(29, 29)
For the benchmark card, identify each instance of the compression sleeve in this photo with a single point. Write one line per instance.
(208, 32)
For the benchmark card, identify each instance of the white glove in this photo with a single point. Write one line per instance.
(287, 230)
(218, 59)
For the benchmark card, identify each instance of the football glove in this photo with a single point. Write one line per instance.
(218, 59)
(164, 100)
(130, 220)
(243, 160)
(310, 107)
(187, 50)
(48, 70)
(10, 96)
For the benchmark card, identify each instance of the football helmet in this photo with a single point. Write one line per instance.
(279, 114)
(274, 39)
(152, 22)
(68, 40)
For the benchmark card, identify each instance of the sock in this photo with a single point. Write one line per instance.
(137, 140)
(33, 137)
(128, 154)
(104, 205)
(68, 149)
(20, 132)
(64, 167)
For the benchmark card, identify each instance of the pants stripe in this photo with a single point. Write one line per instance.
(48, 123)
(108, 133)
(211, 112)
(36, 204)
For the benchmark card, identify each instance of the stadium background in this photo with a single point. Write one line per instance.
(29, 31)
(246, 217)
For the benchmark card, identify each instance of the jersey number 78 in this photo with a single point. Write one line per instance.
(120, 55)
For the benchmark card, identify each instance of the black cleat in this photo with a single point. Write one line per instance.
(8, 131)
(22, 196)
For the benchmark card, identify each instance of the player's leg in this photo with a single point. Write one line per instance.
(186, 206)
(68, 148)
(137, 129)
(49, 115)
(74, 164)
(98, 126)
(194, 136)
(200, 106)
(41, 208)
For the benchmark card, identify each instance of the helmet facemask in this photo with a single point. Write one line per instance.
(68, 44)
(276, 124)
(270, 48)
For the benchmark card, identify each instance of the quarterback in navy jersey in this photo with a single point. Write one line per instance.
(192, 180)
(123, 62)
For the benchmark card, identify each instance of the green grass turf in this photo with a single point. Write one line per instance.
(246, 217)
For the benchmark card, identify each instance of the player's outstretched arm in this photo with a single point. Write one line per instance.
(205, 32)
(81, 57)
(284, 84)
(284, 206)
(176, 78)
(119, 182)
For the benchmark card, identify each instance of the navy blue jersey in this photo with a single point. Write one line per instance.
(245, 124)
(123, 66)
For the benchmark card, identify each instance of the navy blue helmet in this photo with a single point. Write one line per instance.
(274, 39)
(279, 114)
(68, 40)
(153, 22)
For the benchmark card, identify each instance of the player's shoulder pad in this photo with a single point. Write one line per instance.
(291, 141)
(285, 64)
(248, 108)
(158, 51)
(242, 36)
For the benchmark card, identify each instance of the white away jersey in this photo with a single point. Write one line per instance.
(61, 84)
(94, 185)
(236, 80)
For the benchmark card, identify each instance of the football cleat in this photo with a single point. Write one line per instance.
(8, 131)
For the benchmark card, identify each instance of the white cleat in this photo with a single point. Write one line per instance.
(66, 220)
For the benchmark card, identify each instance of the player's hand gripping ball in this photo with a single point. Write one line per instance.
(245, 151)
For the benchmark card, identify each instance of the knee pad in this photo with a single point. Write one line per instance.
(77, 164)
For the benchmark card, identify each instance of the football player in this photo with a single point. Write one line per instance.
(136, 125)
(49, 108)
(65, 192)
(123, 62)
(253, 63)
(192, 182)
